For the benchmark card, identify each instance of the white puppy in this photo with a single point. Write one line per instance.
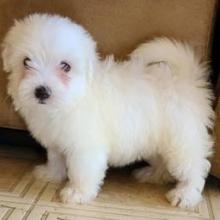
(90, 114)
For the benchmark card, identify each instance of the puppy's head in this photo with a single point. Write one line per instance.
(50, 60)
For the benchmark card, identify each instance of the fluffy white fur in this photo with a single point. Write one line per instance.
(156, 107)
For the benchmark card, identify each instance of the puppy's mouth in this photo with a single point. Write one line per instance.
(42, 102)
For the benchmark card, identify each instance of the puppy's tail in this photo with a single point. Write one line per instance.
(178, 56)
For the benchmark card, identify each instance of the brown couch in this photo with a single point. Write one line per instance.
(118, 26)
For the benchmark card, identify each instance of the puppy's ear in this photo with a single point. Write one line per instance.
(6, 49)
(6, 55)
(92, 60)
(91, 67)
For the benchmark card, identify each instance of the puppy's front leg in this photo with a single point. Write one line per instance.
(54, 170)
(86, 171)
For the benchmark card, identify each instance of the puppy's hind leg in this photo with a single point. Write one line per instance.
(190, 170)
(188, 191)
(155, 173)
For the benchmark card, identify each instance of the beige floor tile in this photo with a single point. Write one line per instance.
(13, 211)
(214, 200)
(121, 197)
(11, 172)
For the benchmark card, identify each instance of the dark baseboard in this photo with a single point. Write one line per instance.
(16, 137)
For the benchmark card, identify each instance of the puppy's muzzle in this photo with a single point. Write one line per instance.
(42, 93)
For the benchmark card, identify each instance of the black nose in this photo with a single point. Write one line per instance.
(42, 93)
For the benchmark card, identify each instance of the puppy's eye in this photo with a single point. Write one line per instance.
(26, 62)
(65, 66)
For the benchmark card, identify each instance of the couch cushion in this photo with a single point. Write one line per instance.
(117, 25)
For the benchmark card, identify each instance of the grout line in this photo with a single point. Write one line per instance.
(28, 212)
(21, 177)
(8, 213)
(34, 203)
(209, 206)
(45, 215)
(26, 188)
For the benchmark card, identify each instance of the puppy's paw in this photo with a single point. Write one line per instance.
(143, 174)
(46, 173)
(186, 198)
(71, 194)
(150, 174)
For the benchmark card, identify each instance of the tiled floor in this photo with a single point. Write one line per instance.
(121, 198)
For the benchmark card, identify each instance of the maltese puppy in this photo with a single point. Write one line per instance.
(91, 113)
